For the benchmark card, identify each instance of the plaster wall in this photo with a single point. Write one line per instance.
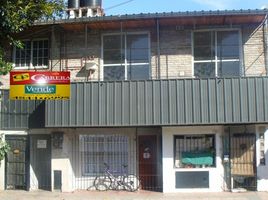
(216, 174)
(69, 159)
(262, 170)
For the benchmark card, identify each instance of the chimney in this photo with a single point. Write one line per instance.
(84, 8)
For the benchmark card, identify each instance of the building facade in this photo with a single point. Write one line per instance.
(181, 98)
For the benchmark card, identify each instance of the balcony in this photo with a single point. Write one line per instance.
(162, 103)
(174, 102)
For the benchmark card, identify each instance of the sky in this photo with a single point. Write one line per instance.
(120, 7)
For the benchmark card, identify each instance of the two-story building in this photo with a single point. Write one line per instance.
(181, 98)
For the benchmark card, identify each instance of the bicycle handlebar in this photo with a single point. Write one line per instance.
(108, 167)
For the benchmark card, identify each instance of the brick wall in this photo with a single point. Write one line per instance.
(253, 48)
(175, 55)
(70, 50)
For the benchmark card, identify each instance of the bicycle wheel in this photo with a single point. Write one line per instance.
(102, 183)
(131, 182)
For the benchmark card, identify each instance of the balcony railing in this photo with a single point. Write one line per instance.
(175, 102)
(162, 103)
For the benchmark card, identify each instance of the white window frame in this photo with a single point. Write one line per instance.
(31, 59)
(216, 60)
(125, 63)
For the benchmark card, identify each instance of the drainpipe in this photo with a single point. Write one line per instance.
(158, 48)
(52, 42)
(86, 38)
(85, 56)
(265, 33)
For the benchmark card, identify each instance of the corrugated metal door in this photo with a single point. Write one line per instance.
(17, 162)
(41, 160)
(243, 161)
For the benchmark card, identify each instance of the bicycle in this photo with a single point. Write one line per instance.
(128, 182)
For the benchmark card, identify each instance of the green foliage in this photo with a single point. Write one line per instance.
(17, 15)
(5, 67)
(4, 148)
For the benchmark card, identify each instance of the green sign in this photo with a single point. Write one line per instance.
(40, 89)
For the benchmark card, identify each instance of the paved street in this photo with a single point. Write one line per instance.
(141, 195)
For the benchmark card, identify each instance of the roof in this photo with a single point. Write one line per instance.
(220, 17)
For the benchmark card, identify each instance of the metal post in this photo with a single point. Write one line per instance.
(51, 46)
(86, 39)
(85, 56)
(266, 44)
(158, 48)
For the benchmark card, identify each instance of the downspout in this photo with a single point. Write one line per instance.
(60, 50)
(85, 56)
(121, 49)
(52, 47)
(86, 32)
(265, 34)
(158, 48)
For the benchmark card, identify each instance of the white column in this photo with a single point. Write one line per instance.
(61, 161)
(262, 170)
(167, 159)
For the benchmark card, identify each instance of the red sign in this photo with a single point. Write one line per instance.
(34, 77)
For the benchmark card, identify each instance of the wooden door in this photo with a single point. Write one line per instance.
(243, 161)
(148, 162)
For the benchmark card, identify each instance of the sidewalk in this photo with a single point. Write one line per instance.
(141, 195)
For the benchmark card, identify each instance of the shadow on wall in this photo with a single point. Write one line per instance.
(37, 117)
(253, 43)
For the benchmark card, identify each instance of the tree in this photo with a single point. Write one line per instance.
(4, 148)
(16, 16)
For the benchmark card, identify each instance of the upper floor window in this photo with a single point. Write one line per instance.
(34, 54)
(126, 56)
(216, 53)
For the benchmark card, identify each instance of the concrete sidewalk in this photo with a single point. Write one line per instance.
(141, 195)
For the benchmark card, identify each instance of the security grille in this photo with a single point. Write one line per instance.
(16, 162)
(91, 151)
(194, 151)
(243, 161)
(96, 150)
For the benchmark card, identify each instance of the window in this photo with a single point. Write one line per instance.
(99, 149)
(194, 151)
(34, 54)
(126, 57)
(216, 53)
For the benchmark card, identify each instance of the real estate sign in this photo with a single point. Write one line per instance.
(33, 85)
